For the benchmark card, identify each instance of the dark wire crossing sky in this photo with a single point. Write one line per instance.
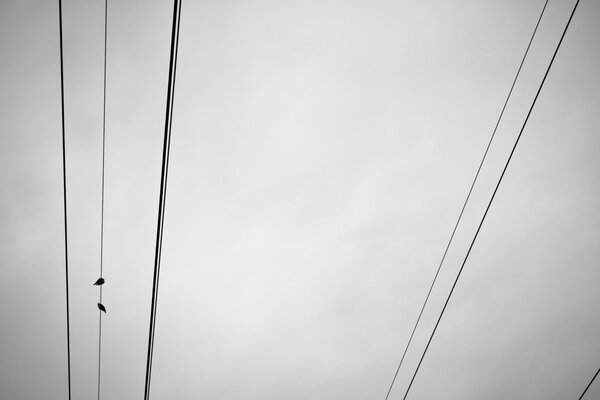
(320, 152)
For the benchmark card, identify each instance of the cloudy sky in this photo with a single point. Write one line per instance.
(321, 152)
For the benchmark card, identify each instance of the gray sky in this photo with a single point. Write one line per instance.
(321, 151)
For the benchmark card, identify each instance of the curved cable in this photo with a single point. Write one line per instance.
(491, 200)
(465, 202)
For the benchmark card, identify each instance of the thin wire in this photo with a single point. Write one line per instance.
(163, 187)
(64, 165)
(589, 384)
(465, 202)
(491, 200)
(102, 208)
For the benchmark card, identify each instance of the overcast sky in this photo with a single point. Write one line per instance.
(321, 152)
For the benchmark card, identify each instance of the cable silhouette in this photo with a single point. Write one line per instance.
(166, 174)
(491, 201)
(102, 206)
(465, 202)
(589, 384)
(163, 190)
(64, 167)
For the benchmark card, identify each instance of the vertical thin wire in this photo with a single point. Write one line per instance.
(491, 200)
(64, 165)
(465, 203)
(102, 207)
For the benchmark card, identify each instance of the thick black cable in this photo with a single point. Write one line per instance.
(490, 202)
(64, 165)
(172, 94)
(465, 202)
(163, 187)
(170, 120)
(589, 384)
(102, 207)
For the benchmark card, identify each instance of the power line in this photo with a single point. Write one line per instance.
(589, 384)
(166, 174)
(465, 202)
(163, 189)
(491, 200)
(102, 207)
(64, 165)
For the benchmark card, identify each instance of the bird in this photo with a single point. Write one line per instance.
(99, 282)
(101, 307)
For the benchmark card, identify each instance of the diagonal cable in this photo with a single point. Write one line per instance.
(170, 122)
(465, 202)
(491, 200)
(589, 384)
(64, 170)
(163, 190)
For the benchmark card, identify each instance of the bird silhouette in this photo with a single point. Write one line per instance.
(101, 307)
(99, 282)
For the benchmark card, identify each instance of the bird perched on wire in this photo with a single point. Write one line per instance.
(99, 282)
(101, 307)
